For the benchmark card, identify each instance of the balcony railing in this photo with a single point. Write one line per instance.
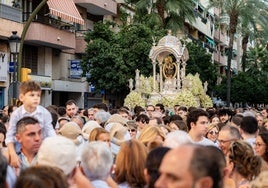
(81, 33)
(200, 15)
(10, 13)
(51, 21)
(207, 45)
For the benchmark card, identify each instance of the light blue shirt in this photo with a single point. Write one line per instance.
(41, 114)
(25, 162)
(100, 184)
(123, 185)
(11, 177)
(205, 142)
(251, 141)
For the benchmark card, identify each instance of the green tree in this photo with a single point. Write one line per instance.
(235, 10)
(252, 28)
(241, 83)
(170, 14)
(257, 68)
(257, 60)
(112, 58)
(200, 62)
(250, 86)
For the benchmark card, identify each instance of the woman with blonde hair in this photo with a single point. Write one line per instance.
(100, 134)
(130, 164)
(265, 123)
(151, 133)
(213, 133)
(243, 165)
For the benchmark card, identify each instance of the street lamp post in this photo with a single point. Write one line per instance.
(14, 44)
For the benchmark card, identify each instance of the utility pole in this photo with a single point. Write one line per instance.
(23, 34)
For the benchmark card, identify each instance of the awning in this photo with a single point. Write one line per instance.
(65, 9)
(210, 41)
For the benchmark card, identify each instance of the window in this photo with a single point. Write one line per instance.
(30, 56)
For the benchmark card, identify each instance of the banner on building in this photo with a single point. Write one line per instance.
(3, 67)
(75, 69)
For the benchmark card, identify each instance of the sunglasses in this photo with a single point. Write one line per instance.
(213, 132)
(143, 121)
(132, 130)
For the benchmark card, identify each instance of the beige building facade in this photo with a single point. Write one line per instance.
(53, 45)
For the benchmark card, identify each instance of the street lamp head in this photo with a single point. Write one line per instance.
(14, 43)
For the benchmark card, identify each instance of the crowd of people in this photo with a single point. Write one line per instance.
(144, 147)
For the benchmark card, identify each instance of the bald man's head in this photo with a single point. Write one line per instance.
(191, 165)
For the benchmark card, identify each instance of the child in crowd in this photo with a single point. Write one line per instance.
(29, 95)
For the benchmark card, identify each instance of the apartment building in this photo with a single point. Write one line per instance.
(213, 35)
(53, 45)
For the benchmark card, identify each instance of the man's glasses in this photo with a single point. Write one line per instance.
(132, 130)
(225, 141)
(213, 132)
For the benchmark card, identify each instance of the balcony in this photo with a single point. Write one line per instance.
(210, 47)
(7, 26)
(69, 86)
(202, 24)
(217, 35)
(80, 43)
(217, 12)
(46, 35)
(98, 7)
(220, 37)
(44, 81)
(216, 56)
(10, 13)
(220, 58)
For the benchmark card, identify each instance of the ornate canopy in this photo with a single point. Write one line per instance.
(168, 45)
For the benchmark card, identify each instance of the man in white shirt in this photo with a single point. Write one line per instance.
(197, 122)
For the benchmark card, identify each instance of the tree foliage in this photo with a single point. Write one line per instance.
(200, 62)
(112, 58)
(250, 86)
(236, 11)
(169, 14)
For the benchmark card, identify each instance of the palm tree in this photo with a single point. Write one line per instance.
(253, 28)
(257, 59)
(236, 10)
(170, 14)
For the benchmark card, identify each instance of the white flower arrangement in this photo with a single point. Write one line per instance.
(185, 98)
(206, 101)
(134, 98)
(146, 84)
(194, 84)
(168, 102)
(192, 94)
